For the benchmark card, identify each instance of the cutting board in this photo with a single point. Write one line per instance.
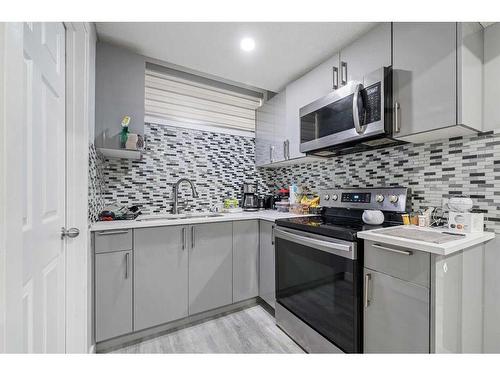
(420, 235)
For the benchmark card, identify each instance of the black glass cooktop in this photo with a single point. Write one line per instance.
(345, 228)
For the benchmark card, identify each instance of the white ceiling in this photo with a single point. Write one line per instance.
(284, 51)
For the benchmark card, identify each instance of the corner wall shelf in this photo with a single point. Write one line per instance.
(120, 153)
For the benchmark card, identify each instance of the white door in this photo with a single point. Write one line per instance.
(43, 154)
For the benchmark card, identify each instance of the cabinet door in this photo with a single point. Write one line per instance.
(396, 319)
(280, 130)
(245, 260)
(425, 75)
(210, 266)
(264, 133)
(267, 290)
(160, 275)
(113, 294)
(366, 54)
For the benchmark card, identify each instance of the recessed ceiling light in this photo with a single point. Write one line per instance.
(247, 44)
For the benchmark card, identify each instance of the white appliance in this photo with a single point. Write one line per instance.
(467, 222)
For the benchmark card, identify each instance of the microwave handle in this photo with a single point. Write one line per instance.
(355, 110)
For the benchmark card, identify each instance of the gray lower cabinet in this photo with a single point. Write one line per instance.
(245, 260)
(113, 294)
(266, 260)
(160, 275)
(396, 315)
(210, 266)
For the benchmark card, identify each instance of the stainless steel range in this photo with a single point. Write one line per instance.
(319, 263)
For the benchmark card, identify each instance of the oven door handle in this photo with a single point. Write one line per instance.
(335, 248)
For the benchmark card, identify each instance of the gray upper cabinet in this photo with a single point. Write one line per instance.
(160, 275)
(366, 54)
(264, 133)
(113, 294)
(245, 260)
(266, 259)
(119, 92)
(210, 266)
(270, 131)
(396, 315)
(437, 82)
(491, 77)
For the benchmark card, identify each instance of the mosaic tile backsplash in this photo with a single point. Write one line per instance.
(217, 163)
(220, 163)
(437, 170)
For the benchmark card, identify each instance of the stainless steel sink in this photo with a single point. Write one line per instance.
(177, 217)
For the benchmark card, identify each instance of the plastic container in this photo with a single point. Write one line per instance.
(282, 206)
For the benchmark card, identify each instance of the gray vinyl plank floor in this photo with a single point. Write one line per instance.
(252, 330)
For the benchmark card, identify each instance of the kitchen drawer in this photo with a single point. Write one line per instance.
(397, 261)
(112, 240)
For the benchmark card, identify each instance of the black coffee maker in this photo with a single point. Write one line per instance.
(250, 199)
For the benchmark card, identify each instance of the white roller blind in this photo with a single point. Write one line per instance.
(170, 97)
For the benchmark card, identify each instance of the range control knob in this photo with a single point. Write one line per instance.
(335, 197)
(379, 198)
(326, 197)
(393, 199)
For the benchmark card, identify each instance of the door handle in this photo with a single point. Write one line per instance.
(360, 129)
(126, 264)
(403, 252)
(71, 232)
(183, 234)
(343, 73)
(368, 278)
(396, 126)
(335, 78)
(192, 237)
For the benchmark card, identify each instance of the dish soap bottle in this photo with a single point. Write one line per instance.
(124, 132)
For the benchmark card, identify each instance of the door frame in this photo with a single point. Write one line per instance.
(11, 124)
(80, 68)
(80, 82)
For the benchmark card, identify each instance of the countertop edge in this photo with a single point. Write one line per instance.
(134, 224)
(438, 249)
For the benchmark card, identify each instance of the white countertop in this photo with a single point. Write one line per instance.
(269, 215)
(461, 243)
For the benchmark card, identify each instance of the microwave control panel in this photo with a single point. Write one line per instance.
(372, 97)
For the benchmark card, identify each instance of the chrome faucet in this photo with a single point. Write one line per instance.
(175, 207)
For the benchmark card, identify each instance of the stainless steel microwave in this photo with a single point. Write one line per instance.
(352, 118)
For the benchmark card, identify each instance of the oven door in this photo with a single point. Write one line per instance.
(353, 113)
(318, 279)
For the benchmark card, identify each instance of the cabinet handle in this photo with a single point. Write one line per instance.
(288, 149)
(183, 234)
(272, 235)
(111, 232)
(126, 264)
(368, 278)
(343, 73)
(403, 252)
(270, 154)
(335, 78)
(397, 125)
(192, 237)
(284, 150)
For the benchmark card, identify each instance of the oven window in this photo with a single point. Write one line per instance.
(334, 118)
(320, 288)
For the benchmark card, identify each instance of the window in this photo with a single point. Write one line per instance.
(182, 98)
